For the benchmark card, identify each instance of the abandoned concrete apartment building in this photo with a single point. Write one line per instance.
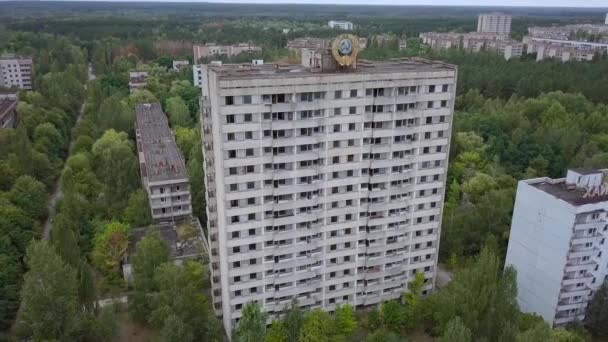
(162, 168)
(324, 183)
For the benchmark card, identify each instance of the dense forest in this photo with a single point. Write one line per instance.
(515, 119)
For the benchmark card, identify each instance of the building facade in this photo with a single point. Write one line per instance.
(557, 244)
(341, 24)
(496, 23)
(137, 80)
(8, 110)
(162, 168)
(211, 50)
(16, 72)
(323, 186)
(474, 42)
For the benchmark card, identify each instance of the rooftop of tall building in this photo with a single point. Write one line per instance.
(163, 160)
(238, 71)
(580, 187)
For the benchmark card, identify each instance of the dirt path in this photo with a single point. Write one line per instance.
(58, 190)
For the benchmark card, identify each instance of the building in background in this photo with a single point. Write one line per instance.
(298, 44)
(341, 24)
(606, 21)
(211, 50)
(16, 72)
(564, 50)
(323, 186)
(8, 110)
(179, 65)
(162, 168)
(402, 44)
(137, 80)
(496, 23)
(474, 42)
(558, 244)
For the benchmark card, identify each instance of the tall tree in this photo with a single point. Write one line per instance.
(150, 253)
(137, 213)
(596, 318)
(110, 246)
(456, 331)
(116, 168)
(179, 115)
(252, 326)
(29, 195)
(316, 327)
(49, 294)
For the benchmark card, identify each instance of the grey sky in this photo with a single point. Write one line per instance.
(535, 3)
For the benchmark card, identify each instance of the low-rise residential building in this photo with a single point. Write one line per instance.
(474, 42)
(495, 23)
(179, 65)
(402, 44)
(137, 80)
(185, 241)
(558, 244)
(16, 72)
(210, 50)
(341, 24)
(8, 110)
(564, 50)
(162, 168)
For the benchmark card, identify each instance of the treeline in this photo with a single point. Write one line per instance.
(479, 304)
(102, 201)
(497, 142)
(31, 156)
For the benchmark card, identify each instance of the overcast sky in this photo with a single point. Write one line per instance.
(546, 3)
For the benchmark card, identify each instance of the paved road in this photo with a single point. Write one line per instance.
(58, 190)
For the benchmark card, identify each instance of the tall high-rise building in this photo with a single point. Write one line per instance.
(494, 23)
(324, 185)
(16, 71)
(558, 244)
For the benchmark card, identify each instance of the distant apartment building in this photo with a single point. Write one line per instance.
(558, 244)
(564, 50)
(323, 186)
(298, 44)
(440, 41)
(496, 23)
(137, 80)
(474, 42)
(179, 65)
(211, 50)
(402, 44)
(341, 24)
(567, 32)
(606, 21)
(8, 110)
(16, 72)
(162, 168)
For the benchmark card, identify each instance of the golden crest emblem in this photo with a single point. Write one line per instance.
(345, 48)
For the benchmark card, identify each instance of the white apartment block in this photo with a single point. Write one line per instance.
(214, 50)
(496, 23)
(197, 75)
(557, 244)
(324, 186)
(340, 24)
(16, 72)
(162, 168)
